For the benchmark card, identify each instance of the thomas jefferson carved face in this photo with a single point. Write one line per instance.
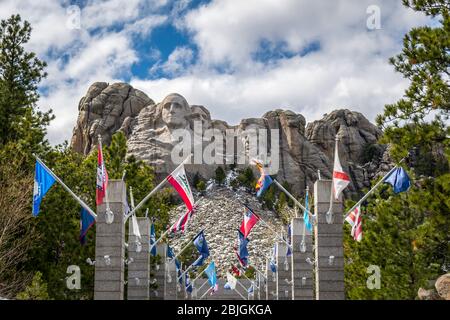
(174, 109)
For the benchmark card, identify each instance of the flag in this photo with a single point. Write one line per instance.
(187, 283)
(250, 219)
(152, 239)
(354, 218)
(250, 289)
(210, 271)
(235, 271)
(202, 247)
(179, 181)
(135, 227)
(241, 250)
(272, 263)
(263, 182)
(102, 177)
(181, 223)
(43, 181)
(289, 250)
(231, 282)
(306, 220)
(171, 255)
(86, 221)
(340, 179)
(398, 179)
(357, 228)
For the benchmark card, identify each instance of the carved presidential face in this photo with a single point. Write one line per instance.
(174, 109)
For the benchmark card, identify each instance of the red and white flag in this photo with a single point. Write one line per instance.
(340, 179)
(102, 176)
(354, 218)
(179, 181)
(181, 223)
(250, 219)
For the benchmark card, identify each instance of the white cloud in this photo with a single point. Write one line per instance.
(177, 62)
(350, 70)
(77, 57)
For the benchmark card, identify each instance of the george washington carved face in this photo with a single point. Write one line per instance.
(174, 109)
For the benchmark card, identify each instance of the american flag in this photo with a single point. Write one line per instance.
(355, 220)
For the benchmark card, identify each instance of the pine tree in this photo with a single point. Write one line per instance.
(407, 235)
(59, 219)
(20, 74)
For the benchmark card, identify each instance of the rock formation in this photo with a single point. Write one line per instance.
(104, 110)
(305, 149)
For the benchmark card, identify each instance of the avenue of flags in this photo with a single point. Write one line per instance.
(45, 178)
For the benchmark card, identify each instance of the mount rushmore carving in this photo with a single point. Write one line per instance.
(304, 149)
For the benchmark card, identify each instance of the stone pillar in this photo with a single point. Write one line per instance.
(302, 271)
(139, 268)
(170, 279)
(110, 246)
(270, 292)
(328, 244)
(283, 284)
(157, 268)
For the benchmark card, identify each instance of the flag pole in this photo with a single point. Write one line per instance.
(240, 294)
(140, 204)
(205, 293)
(81, 202)
(271, 229)
(373, 188)
(243, 273)
(131, 197)
(291, 197)
(167, 231)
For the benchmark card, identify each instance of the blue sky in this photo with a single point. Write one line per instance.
(237, 58)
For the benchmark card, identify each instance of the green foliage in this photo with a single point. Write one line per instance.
(250, 272)
(59, 216)
(371, 151)
(247, 179)
(37, 290)
(20, 74)
(201, 186)
(406, 235)
(425, 61)
(220, 175)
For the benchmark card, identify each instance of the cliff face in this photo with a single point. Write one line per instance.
(304, 149)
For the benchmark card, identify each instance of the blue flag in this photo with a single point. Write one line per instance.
(212, 277)
(188, 283)
(289, 251)
(399, 179)
(202, 247)
(242, 251)
(86, 221)
(43, 181)
(152, 239)
(171, 255)
(306, 220)
(273, 265)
